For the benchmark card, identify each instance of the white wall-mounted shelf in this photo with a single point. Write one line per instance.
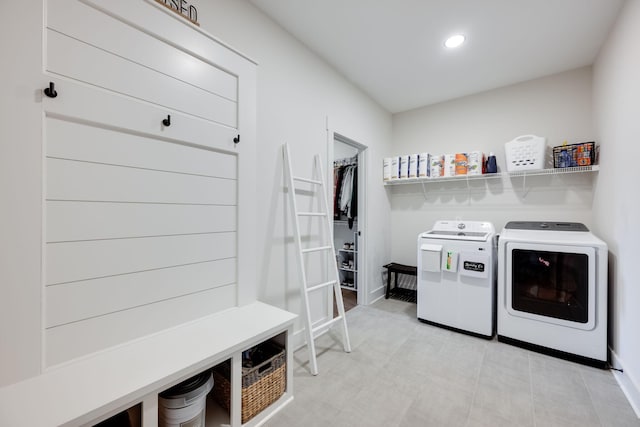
(459, 178)
(348, 250)
(344, 221)
(493, 176)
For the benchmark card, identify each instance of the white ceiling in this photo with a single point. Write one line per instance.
(393, 49)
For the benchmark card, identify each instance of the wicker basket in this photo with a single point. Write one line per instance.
(263, 379)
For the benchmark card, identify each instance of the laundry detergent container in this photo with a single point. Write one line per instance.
(184, 404)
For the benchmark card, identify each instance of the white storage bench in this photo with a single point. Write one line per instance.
(96, 387)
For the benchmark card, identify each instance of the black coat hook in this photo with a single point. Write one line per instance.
(51, 90)
(167, 121)
(236, 139)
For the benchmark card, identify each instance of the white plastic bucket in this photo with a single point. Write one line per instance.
(184, 405)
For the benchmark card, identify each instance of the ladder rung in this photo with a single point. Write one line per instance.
(317, 249)
(326, 324)
(312, 214)
(310, 181)
(321, 285)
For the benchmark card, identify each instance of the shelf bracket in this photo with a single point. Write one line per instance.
(424, 190)
(525, 190)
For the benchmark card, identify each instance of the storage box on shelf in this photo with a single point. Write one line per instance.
(525, 153)
(574, 155)
(264, 369)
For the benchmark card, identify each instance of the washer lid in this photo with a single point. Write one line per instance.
(546, 226)
(478, 236)
(478, 231)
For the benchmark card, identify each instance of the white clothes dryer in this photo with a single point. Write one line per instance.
(552, 290)
(456, 276)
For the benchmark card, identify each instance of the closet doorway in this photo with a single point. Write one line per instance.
(348, 203)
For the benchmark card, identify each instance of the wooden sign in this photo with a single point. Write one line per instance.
(182, 8)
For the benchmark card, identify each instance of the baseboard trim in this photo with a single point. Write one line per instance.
(375, 295)
(627, 382)
(381, 296)
(298, 340)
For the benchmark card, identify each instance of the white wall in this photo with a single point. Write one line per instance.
(296, 93)
(21, 193)
(557, 107)
(616, 204)
(343, 151)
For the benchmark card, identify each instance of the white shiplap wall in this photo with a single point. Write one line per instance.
(141, 219)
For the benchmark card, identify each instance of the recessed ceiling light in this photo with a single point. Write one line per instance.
(454, 41)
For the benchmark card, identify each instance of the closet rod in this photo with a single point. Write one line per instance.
(348, 161)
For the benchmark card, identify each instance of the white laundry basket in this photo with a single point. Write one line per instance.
(525, 152)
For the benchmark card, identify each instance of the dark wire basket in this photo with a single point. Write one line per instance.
(573, 155)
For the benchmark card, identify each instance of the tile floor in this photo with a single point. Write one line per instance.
(404, 373)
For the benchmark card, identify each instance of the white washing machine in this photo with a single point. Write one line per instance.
(552, 290)
(456, 276)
